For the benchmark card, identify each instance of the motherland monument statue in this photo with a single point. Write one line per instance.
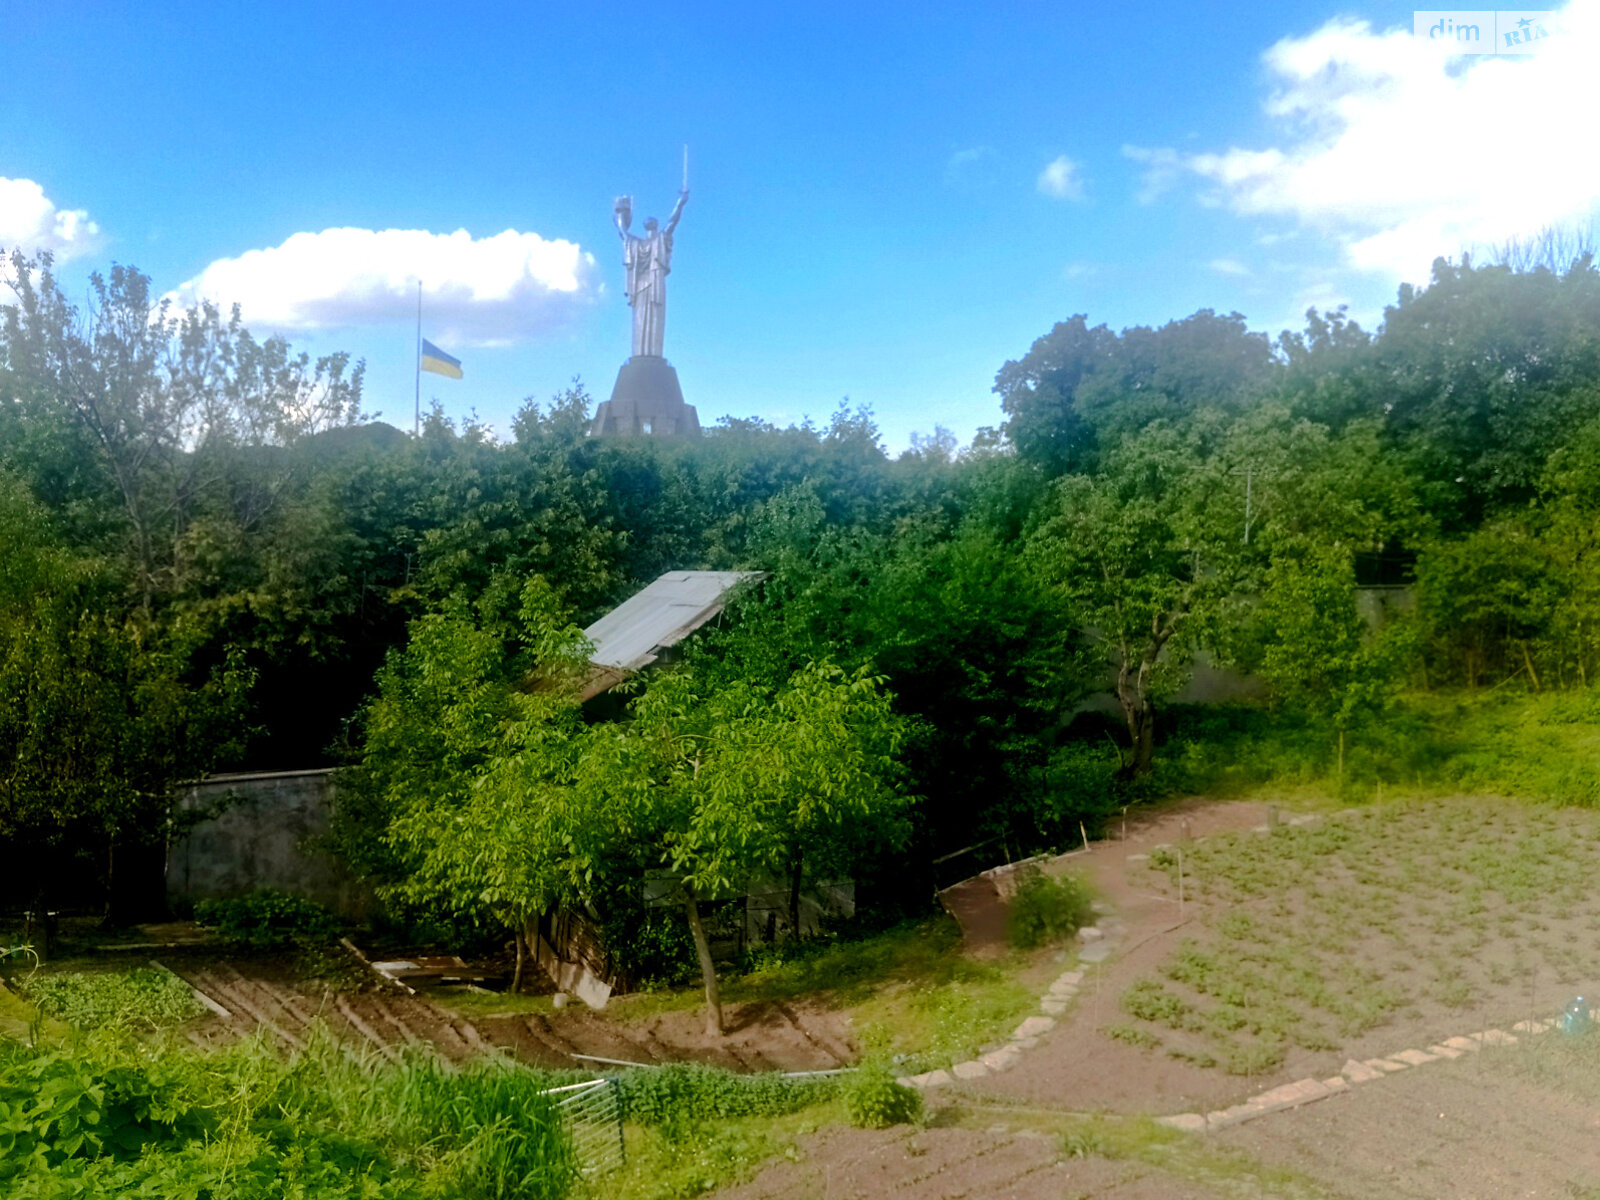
(647, 398)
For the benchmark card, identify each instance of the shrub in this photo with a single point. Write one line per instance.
(268, 919)
(140, 999)
(669, 1097)
(1046, 910)
(874, 1100)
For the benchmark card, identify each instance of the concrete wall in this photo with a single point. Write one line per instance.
(263, 837)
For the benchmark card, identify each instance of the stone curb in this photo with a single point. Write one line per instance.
(1354, 1072)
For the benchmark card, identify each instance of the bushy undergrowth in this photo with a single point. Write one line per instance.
(1046, 910)
(268, 919)
(141, 999)
(1543, 746)
(874, 1100)
(112, 1118)
(669, 1097)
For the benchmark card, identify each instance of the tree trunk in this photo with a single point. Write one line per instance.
(1140, 714)
(795, 872)
(1142, 731)
(1527, 660)
(708, 970)
(522, 941)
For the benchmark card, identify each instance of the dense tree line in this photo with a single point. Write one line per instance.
(214, 558)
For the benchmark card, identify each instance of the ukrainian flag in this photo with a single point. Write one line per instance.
(437, 361)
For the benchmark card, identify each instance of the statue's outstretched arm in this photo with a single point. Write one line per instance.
(677, 210)
(622, 216)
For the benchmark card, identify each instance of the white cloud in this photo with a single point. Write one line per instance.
(476, 291)
(1228, 266)
(30, 222)
(1162, 167)
(1400, 154)
(1060, 180)
(1080, 270)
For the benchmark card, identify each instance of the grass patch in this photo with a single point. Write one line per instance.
(911, 985)
(661, 1166)
(1543, 746)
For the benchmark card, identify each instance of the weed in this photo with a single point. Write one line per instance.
(1133, 1036)
(874, 1100)
(144, 998)
(1149, 1001)
(1084, 1143)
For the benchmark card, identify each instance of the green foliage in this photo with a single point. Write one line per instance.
(469, 782)
(976, 652)
(98, 716)
(1046, 910)
(742, 778)
(652, 943)
(677, 1096)
(143, 998)
(1081, 388)
(873, 1099)
(266, 918)
(1143, 552)
(109, 1118)
(1319, 652)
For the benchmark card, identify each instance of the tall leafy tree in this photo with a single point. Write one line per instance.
(99, 718)
(1079, 388)
(1144, 553)
(171, 409)
(1320, 654)
(745, 780)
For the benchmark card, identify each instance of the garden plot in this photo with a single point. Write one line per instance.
(1308, 939)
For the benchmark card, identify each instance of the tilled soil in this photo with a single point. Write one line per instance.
(760, 1037)
(955, 1164)
(383, 1021)
(1468, 1130)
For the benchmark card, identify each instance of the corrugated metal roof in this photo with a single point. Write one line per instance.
(633, 635)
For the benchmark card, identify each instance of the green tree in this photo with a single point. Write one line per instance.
(1143, 553)
(748, 780)
(168, 411)
(1569, 512)
(99, 719)
(1080, 388)
(1483, 600)
(474, 769)
(1483, 374)
(1319, 653)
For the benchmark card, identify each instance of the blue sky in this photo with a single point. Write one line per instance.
(886, 205)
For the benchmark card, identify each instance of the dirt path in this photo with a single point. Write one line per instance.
(954, 1164)
(1077, 1066)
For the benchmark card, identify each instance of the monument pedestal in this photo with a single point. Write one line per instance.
(646, 401)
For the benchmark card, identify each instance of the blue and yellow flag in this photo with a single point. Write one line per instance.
(437, 361)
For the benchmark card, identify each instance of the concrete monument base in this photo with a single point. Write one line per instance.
(646, 401)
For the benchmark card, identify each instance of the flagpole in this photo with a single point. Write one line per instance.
(416, 411)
